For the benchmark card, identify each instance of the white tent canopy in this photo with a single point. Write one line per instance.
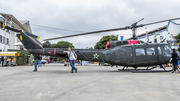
(18, 44)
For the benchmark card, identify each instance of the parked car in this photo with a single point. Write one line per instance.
(43, 61)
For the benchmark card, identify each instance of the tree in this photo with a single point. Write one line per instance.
(54, 46)
(90, 48)
(47, 44)
(177, 37)
(62, 44)
(102, 43)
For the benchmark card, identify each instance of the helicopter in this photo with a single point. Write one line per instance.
(133, 53)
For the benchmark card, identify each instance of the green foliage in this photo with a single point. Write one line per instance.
(90, 48)
(22, 59)
(177, 37)
(54, 46)
(60, 44)
(47, 44)
(102, 43)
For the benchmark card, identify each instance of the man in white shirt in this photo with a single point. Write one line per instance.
(72, 57)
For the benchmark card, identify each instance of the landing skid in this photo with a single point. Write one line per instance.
(147, 70)
(151, 71)
(137, 69)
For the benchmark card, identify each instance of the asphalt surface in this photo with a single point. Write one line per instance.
(54, 82)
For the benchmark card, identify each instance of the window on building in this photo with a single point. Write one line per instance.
(1, 38)
(7, 41)
(140, 52)
(1, 24)
(8, 31)
(150, 51)
(159, 50)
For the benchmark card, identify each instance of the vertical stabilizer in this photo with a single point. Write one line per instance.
(27, 41)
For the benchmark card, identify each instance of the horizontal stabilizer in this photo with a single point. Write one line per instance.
(15, 30)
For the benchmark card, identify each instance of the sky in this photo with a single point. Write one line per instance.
(90, 15)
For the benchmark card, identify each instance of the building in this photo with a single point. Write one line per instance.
(163, 34)
(8, 39)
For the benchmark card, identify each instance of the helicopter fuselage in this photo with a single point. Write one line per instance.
(135, 55)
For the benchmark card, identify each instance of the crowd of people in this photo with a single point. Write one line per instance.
(5, 61)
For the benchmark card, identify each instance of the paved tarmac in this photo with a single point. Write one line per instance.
(54, 82)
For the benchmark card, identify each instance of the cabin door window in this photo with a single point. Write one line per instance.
(140, 52)
(150, 51)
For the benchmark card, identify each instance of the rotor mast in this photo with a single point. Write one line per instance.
(134, 28)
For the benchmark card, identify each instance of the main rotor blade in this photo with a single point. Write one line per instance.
(88, 33)
(160, 21)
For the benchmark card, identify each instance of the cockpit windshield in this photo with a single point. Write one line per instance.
(168, 50)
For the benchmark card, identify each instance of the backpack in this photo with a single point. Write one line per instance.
(177, 58)
(73, 53)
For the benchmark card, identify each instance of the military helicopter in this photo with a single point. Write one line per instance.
(134, 53)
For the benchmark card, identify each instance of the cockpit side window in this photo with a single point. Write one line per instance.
(150, 51)
(140, 52)
(168, 50)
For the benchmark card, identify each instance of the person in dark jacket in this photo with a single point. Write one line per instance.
(2, 60)
(36, 57)
(174, 60)
(39, 61)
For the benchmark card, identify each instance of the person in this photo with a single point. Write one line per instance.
(35, 62)
(39, 61)
(79, 62)
(8, 61)
(48, 61)
(72, 57)
(65, 63)
(2, 60)
(99, 63)
(178, 60)
(68, 62)
(174, 60)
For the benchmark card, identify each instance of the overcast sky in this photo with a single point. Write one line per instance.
(89, 15)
